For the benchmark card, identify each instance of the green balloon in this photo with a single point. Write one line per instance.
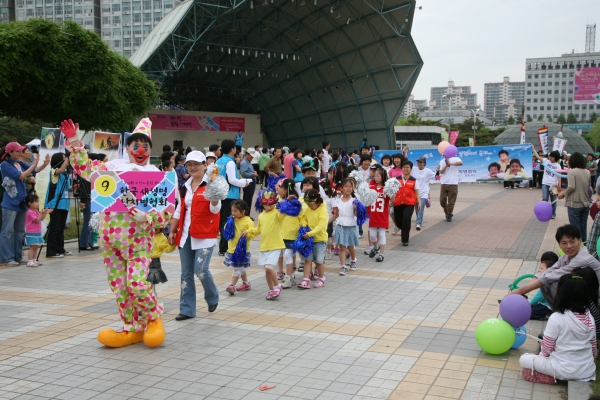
(495, 336)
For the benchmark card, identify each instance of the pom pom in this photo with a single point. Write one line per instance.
(240, 255)
(95, 221)
(155, 273)
(391, 187)
(291, 207)
(217, 189)
(361, 212)
(211, 171)
(357, 176)
(366, 195)
(301, 245)
(229, 229)
(258, 204)
(272, 181)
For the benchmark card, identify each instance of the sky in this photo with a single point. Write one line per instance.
(476, 42)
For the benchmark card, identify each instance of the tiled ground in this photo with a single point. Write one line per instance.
(402, 329)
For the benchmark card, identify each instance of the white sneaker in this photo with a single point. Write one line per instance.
(288, 282)
(418, 227)
(353, 265)
(32, 263)
(396, 229)
(343, 270)
(368, 250)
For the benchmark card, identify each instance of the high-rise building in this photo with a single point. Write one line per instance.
(550, 82)
(455, 94)
(7, 10)
(122, 24)
(497, 100)
(413, 106)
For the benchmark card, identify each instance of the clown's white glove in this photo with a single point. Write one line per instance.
(138, 215)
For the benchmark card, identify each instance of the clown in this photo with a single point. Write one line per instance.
(127, 243)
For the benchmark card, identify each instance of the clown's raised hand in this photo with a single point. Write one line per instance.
(70, 130)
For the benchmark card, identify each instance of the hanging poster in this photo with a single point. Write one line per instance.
(52, 141)
(145, 190)
(107, 143)
(559, 144)
(453, 137)
(171, 122)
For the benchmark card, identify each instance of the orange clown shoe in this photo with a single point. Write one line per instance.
(155, 333)
(110, 338)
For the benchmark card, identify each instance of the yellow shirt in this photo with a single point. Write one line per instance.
(161, 245)
(290, 225)
(241, 225)
(269, 229)
(317, 220)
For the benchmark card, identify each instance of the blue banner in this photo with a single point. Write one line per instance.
(481, 163)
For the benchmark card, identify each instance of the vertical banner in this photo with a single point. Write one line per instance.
(107, 143)
(471, 142)
(444, 136)
(123, 154)
(543, 138)
(559, 144)
(453, 137)
(522, 132)
(52, 142)
(587, 86)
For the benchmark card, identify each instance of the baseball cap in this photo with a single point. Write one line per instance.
(196, 156)
(210, 154)
(422, 159)
(14, 146)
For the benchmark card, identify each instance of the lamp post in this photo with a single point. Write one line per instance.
(449, 97)
(474, 111)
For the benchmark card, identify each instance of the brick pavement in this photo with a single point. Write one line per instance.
(401, 329)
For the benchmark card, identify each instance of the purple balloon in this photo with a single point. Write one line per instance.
(451, 151)
(515, 309)
(543, 212)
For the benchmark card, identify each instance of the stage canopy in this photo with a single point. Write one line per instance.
(312, 69)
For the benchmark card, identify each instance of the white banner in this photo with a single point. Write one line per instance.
(559, 144)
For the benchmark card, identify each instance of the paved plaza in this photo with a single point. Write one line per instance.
(401, 329)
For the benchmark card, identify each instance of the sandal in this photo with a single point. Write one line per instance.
(304, 284)
(320, 282)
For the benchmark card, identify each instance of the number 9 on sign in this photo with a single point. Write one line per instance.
(105, 186)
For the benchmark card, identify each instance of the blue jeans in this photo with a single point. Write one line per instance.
(545, 194)
(12, 234)
(195, 262)
(579, 217)
(420, 213)
(85, 239)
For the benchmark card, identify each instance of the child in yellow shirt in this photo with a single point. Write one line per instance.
(242, 222)
(316, 219)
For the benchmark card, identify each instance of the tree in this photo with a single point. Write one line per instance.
(561, 119)
(511, 120)
(549, 119)
(51, 72)
(529, 119)
(594, 134)
(12, 130)
(571, 119)
(593, 117)
(415, 120)
(540, 118)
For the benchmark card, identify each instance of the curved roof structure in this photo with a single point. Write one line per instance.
(574, 140)
(314, 70)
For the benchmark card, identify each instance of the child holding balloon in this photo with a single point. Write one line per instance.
(569, 346)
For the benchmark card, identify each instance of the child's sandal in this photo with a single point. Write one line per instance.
(320, 282)
(304, 284)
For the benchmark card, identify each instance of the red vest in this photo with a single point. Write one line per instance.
(204, 224)
(406, 194)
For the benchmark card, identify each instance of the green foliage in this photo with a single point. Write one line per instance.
(549, 119)
(415, 120)
(52, 72)
(540, 118)
(571, 119)
(561, 119)
(593, 117)
(12, 130)
(593, 137)
(511, 120)
(529, 119)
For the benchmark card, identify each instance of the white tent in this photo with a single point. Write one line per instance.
(34, 142)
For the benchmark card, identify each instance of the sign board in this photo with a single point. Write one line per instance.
(171, 122)
(587, 86)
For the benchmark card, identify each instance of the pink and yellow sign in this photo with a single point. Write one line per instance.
(146, 190)
(171, 122)
(587, 86)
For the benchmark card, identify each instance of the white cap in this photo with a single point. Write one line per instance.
(211, 154)
(195, 156)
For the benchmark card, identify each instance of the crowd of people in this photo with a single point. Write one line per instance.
(309, 211)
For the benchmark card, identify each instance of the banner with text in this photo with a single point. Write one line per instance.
(145, 190)
(479, 164)
(587, 86)
(171, 122)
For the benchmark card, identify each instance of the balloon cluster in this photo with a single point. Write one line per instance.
(497, 336)
(447, 149)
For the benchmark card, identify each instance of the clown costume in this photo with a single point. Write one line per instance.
(126, 243)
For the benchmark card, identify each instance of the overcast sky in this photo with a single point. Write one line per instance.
(473, 42)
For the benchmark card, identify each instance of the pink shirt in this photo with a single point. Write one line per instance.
(30, 225)
(395, 172)
(287, 165)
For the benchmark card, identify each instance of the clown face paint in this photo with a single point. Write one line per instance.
(139, 152)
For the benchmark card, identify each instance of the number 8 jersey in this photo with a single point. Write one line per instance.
(379, 212)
